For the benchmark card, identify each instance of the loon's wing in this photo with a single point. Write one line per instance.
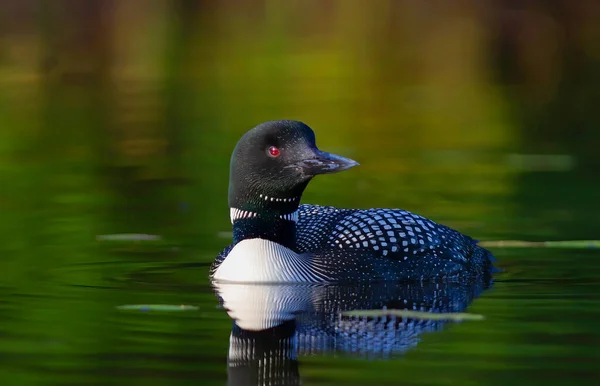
(391, 233)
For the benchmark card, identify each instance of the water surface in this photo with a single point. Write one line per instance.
(62, 325)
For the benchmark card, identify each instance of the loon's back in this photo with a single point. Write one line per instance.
(413, 241)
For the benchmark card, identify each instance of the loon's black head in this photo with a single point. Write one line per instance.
(272, 164)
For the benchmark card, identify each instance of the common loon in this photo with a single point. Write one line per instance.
(277, 240)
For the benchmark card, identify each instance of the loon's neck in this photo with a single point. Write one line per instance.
(273, 219)
(279, 230)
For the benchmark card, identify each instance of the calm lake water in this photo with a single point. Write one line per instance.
(63, 322)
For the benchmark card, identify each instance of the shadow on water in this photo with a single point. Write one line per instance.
(274, 324)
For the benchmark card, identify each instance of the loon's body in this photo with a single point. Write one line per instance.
(275, 239)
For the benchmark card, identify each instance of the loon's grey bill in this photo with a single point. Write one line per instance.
(325, 163)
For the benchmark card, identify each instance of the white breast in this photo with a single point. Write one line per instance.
(264, 261)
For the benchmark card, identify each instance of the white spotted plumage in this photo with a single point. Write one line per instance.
(392, 233)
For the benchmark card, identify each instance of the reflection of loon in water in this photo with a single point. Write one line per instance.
(273, 324)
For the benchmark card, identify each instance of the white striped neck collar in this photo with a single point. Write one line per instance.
(238, 214)
(277, 199)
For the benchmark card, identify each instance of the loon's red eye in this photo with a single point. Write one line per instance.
(274, 152)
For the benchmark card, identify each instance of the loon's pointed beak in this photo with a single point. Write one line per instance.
(324, 163)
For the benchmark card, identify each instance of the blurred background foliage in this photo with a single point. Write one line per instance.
(119, 116)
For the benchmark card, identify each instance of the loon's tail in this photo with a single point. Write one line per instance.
(483, 260)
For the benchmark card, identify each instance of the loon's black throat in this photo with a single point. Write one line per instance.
(268, 218)
(277, 230)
